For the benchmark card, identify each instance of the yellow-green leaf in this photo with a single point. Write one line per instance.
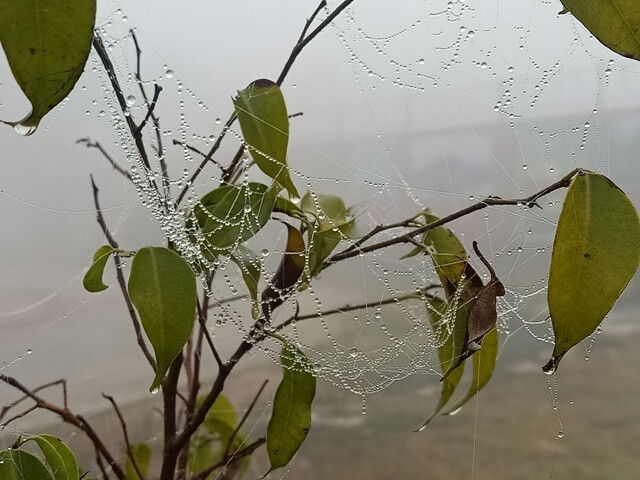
(163, 288)
(595, 253)
(20, 465)
(449, 350)
(447, 254)
(484, 362)
(291, 415)
(92, 280)
(250, 267)
(616, 23)
(264, 121)
(47, 43)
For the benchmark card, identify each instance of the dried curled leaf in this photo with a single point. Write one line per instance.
(480, 301)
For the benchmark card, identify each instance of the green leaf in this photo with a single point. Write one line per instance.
(163, 288)
(484, 362)
(142, 454)
(221, 412)
(595, 253)
(449, 351)
(329, 210)
(47, 43)
(20, 465)
(92, 280)
(616, 23)
(264, 121)
(291, 416)
(250, 267)
(289, 208)
(231, 214)
(202, 454)
(58, 456)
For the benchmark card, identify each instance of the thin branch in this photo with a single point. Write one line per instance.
(121, 280)
(418, 295)
(156, 93)
(156, 120)
(123, 425)
(409, 222)
(68, 417)
(12, 405)
(487, 202)
(197, 151)
(105, 475)
(244, 417)
(244, 452)
(205, 332)
(89, 144)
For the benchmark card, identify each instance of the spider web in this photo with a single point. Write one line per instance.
(433, 105)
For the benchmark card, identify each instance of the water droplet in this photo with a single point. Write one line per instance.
(421, 61)
(455, 412)
(561, 434)
(28, 352)
(265, 252)
(607, 72)
(155, 391)
(131, 100)
(354, 352)
(551, 367)
(169, 73)
(483, 65)
(247, 209)
(525, 167)
(25, 130)
(471, 34)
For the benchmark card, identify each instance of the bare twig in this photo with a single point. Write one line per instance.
(203, 326)
(244, 452)
(69, 417)
(127, 443)
(12, 405)
(195, 150)
(121, 280)
(154, 118)
(156, 93)
(487, 202)
(244, 417)
(418, 295)
(89, 144)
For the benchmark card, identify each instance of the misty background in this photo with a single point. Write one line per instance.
(405, 105)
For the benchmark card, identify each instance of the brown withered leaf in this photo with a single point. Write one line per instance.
(289, 271)
(479, 300)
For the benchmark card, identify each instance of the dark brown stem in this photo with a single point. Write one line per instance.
(121, 280)
(169, 394)
(125, 433)
(487, 202)
(89, 144)
(244, 417)
(244, 452)
(69, 417)
(12, 405)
